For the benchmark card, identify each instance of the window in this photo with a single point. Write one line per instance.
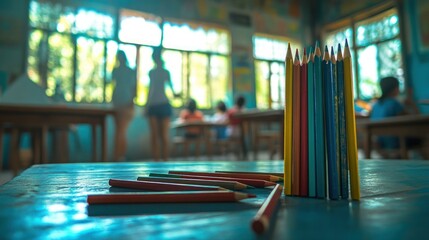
(269, 53)
(69, 49)
(376, 50)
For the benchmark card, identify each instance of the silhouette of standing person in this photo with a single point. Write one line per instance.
(123, 101)
(158, 108)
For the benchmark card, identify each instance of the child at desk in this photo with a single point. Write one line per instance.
(221, 117)
(388, 106)
(234, 123)
(191, 114)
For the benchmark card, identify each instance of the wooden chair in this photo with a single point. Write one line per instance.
(265, 135)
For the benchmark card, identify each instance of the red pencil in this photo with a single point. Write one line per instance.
(169, 197)
(265, 177)
(158, 186)
(261, 221)
(251, 182)
(278, 174)
(296, 125)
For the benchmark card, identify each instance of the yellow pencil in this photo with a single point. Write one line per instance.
(351, 124)
(288, 124)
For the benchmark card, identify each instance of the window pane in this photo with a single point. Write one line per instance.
(174, 64)
(391, 61)
(272, 48)
(262, 72)
(90, 71)
(60, 65)
(112, 49)
(219, 72)
(94, 24)
(277, 84)
(339, 37)
(140, 28)
(37, 56)
(382, 27)
(52, 16)
(195, 37)
(198, 79)
(146, 64)
(368, 76)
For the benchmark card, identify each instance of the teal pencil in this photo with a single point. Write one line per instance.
(311, 130)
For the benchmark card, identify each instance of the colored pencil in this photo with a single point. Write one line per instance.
(304, 129)
(157, 186)
(351, 124)
(231, 185)
(261, 221)
(169, 197)
(319, 125)
(251, 182)
(344, 175)
(311, 129)
(270, 178)
(296, 131)
(265, 173)
(288, 122)
(330, 126)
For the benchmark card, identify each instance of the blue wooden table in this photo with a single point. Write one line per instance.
(49, 201)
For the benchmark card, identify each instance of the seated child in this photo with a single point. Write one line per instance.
(388, 106)
(234, 123)
(220, 116)
(190, 114)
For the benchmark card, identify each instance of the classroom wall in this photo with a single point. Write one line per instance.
(416, 62)
(241, 17)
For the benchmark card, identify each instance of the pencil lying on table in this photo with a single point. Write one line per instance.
(169, 197)
(157, 186)
(264, 173)
(265, 177)
(252, 182)
(261, 221)
(231, 185)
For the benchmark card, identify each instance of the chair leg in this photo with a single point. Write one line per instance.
(14, 151)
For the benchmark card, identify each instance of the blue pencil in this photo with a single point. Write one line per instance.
(311, 130)
(344, 173)
(331, 136)
(319, 126)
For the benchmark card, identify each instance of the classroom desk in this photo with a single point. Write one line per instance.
(49, 201)
(255, 116)
(205, 129)
(46, 116)
(400, 126)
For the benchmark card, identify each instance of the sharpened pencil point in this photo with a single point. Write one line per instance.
(347, 44)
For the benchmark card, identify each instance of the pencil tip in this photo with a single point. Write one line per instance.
(250, 187)
(326, 48)
(347, 44)
(250, 195)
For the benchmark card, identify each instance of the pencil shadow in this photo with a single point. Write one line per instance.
(164, 208)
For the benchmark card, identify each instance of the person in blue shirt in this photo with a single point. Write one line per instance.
(388, 106)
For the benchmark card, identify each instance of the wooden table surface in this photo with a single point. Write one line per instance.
(45, 116)
(49, 202)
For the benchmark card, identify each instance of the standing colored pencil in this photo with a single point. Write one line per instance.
(311, 129)
(336, 118)
(319, 125)
(169, 197)
(251, 182)
(157, 186)
(304, 129)
(205, 182)
(351, 124)
(288, 123)
(261, 221)
(264, 173)
(270, 178)
(331, 127)
(296, 131)
(344, 175)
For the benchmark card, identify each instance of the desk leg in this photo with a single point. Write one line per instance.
(367, 144)
(43, 143)
(103, 140)
(1, 147)
(207, 136)
(14, 151)
(94, 142)
(403, 148)
(281, 140)
(243, 141)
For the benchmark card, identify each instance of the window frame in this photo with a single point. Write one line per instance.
(352, 21)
